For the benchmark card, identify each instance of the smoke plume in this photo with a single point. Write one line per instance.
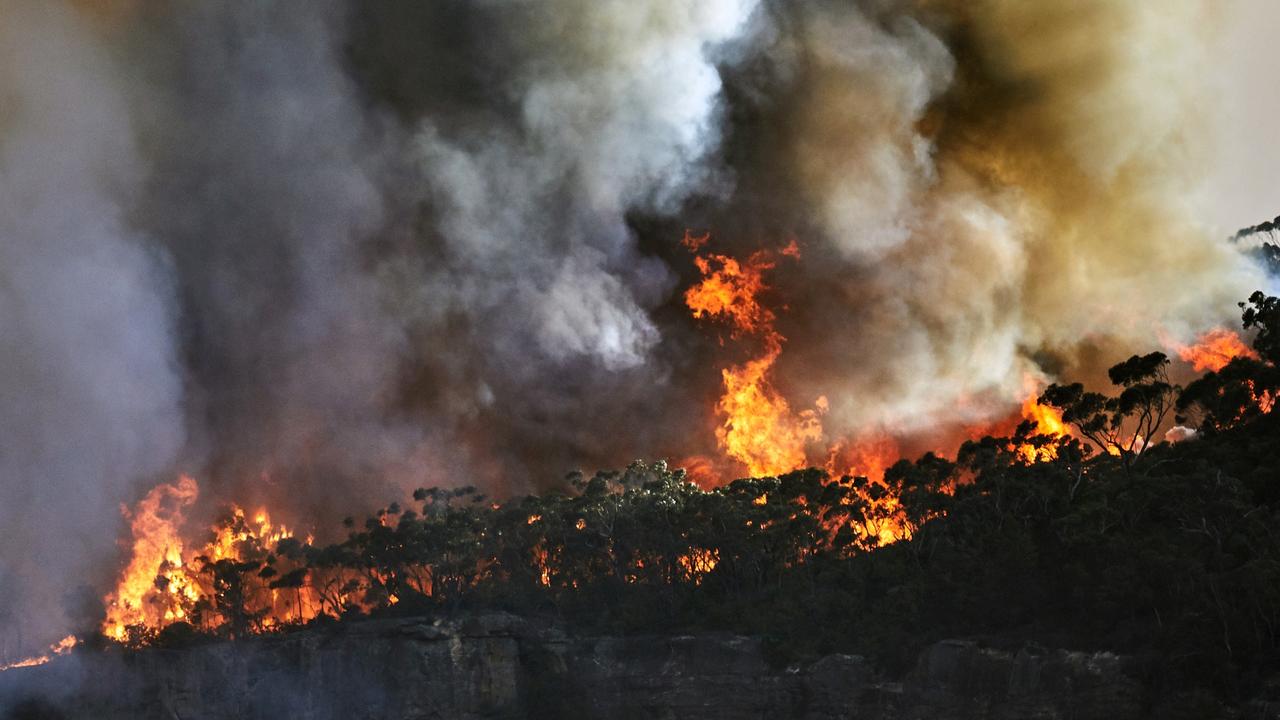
(319, 253)
(90, 389)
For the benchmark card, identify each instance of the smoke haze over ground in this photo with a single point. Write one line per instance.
(331, 251)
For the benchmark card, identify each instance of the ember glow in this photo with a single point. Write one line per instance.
(698, 562)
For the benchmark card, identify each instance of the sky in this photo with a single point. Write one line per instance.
(1243, 187)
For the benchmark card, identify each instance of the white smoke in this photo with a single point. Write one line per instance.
(863, 165)
(89, 389)
(616, 111)
(435, 243)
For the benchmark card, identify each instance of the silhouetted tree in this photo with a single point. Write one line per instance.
(1126, 424)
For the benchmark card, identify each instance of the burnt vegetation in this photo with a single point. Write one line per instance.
(1165, 552)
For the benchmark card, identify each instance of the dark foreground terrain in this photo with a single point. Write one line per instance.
(640, 595)
(499, 666)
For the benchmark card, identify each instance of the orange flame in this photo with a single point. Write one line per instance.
(867, 457)
(700, 470)
(157, 553)
(62, 647)
(542, 563)
(1215, 349)
(698, 562)
(164, 582)
(759, 428)
(1049, 423)
(729, 289)
(1266, 400)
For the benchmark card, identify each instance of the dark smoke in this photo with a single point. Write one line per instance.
(320, 253)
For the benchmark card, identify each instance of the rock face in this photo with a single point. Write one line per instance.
(498, 666)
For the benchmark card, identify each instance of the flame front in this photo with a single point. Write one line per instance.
(758, 427)
(62, 647)
(166, 582)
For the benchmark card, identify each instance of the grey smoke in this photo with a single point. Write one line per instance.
(317, 254)
(265, 188)
(90, 389)
(227, 252)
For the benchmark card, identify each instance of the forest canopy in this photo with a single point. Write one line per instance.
(1096, 539)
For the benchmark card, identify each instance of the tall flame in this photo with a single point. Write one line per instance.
(759, 428)
(166, 583)
(157, 553)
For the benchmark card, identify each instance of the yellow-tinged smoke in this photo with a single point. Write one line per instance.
(348, 245)
(1008, 186)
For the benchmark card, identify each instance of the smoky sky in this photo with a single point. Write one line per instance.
(317, 254)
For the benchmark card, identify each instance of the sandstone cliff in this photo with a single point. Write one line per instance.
(499, 666)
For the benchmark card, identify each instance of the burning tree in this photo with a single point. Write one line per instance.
(1245, 386)
(1022, 521)
(1123, 425)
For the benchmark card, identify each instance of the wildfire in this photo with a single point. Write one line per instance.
(698, 562)
(758, 426)
(1214, 350)
(730, 289)
(868, 457)
(759, 429)
(700, 470)
(166, 582)
(1266, 400)
(154, 586)
(1133, 443)
(542, 563)
(62, 647)
(1049, 423)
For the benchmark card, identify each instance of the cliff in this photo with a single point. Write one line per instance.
(499, 666)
